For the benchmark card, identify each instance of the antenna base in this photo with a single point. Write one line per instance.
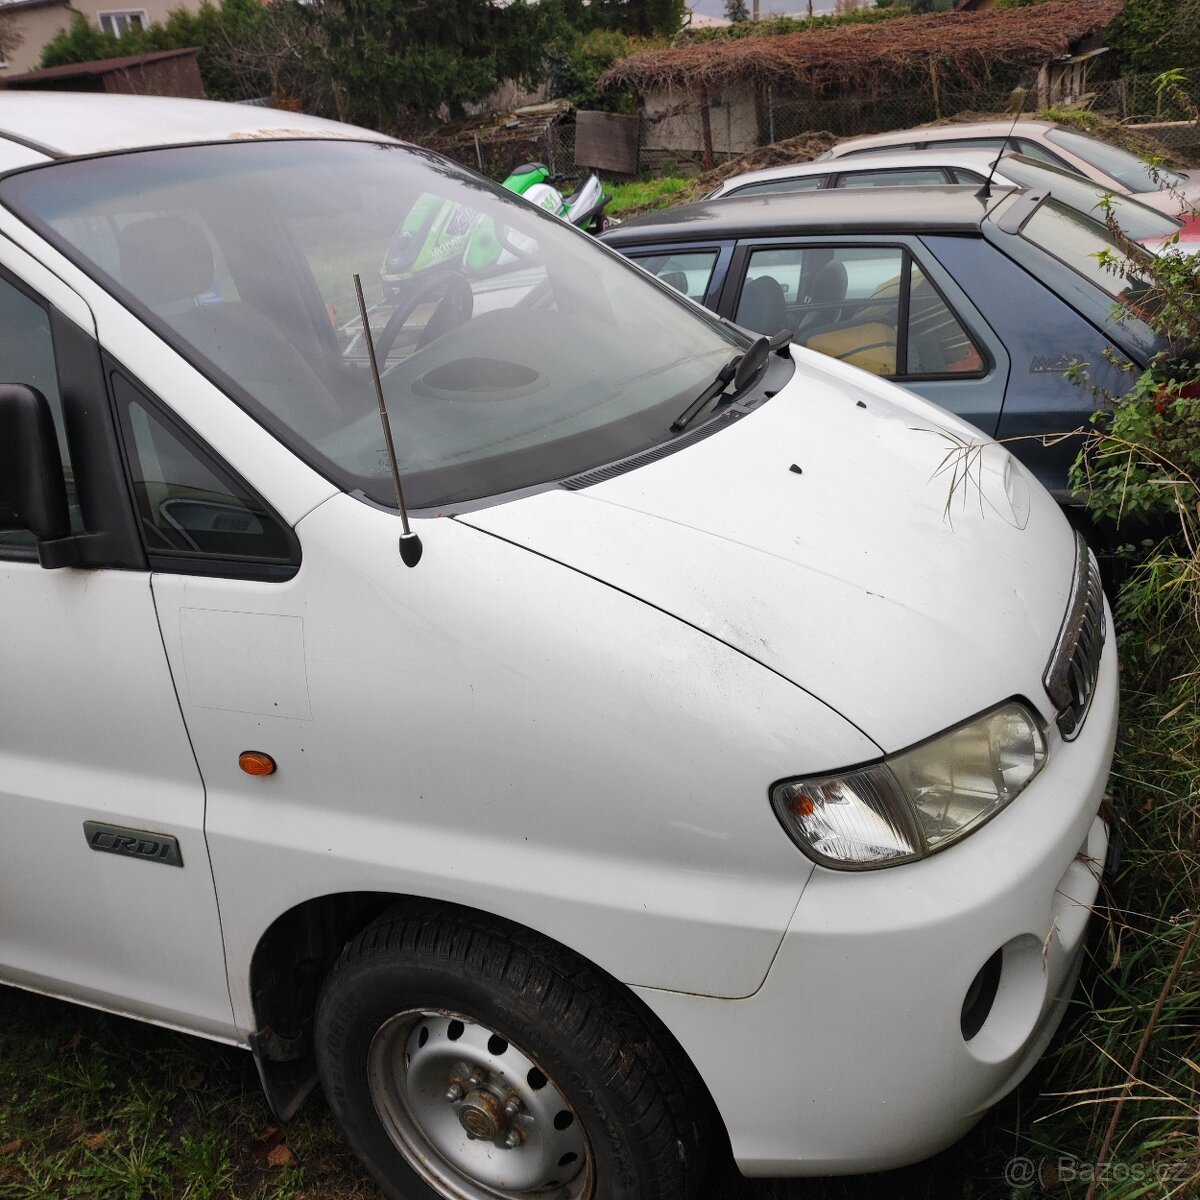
(410, 549)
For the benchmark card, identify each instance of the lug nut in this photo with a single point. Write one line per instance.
(512, 1107)
(477, 1079)
(455, 1092)
(512, 1139)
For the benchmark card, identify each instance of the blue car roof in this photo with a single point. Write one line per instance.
(953, 208)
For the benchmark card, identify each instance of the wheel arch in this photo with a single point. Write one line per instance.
(295, 954)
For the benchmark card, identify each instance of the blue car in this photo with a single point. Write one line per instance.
(979, 303)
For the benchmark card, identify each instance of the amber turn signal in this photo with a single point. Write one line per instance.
(255, 762)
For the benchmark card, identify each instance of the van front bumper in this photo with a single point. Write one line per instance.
(904, 1002)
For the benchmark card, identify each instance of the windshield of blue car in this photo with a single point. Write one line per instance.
(1127, 169)
(1137, 221)
(514, 350)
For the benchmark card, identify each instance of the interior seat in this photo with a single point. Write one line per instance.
(763, 306)
(168, 265)
(825, 298)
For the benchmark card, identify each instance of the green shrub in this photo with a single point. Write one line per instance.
(575, 62)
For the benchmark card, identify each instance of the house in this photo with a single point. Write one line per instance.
(26, 26)
(721, 97)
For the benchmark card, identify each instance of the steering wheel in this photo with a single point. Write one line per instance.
(522, 254)
(458, 299)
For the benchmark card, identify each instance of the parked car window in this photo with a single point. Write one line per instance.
(688, 272)
(1127, 169)
(973, 143)
(187, 504)
(803, 183)
(876, 149)
(937, 342)
(850, 302)
(1076, 241)
(27, 356)
(1040, 154)
(962, 175)
(916, 177)
(1138, 222)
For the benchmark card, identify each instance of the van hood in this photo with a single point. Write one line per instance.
(820, 536)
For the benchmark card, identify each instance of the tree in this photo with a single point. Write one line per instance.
(1156, 35)
(576, 63)
(393, 64)
(636, 18)
(735, 10)
(10, 39)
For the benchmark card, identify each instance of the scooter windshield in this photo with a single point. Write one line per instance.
(514, 350)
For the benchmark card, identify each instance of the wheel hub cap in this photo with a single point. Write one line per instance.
(472, 1114)
(481, 1115)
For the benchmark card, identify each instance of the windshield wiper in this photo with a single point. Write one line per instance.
(741, 371)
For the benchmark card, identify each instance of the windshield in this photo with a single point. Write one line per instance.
(1139, 222)
(1127, 169)
(514, 350)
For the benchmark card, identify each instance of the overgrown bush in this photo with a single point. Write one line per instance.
(1155, 35)
(1123, 1095)
(575, 62)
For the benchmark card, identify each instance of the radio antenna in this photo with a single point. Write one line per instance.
(1017, 101)
(410, 543)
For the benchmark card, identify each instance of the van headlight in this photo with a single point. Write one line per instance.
(918, 801)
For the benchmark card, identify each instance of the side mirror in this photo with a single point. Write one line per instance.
(33, 490)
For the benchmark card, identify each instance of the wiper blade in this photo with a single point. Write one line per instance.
(741, 371)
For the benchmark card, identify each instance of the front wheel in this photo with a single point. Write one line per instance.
(468, 1059)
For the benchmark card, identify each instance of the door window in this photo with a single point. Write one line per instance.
(876, 149)
(914, 177)
(1041, 154)
(871, 306)
(189, 506)
(688, 272)
(769, 187)
(27, 356)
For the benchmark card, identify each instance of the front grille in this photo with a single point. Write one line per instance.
(1074, 666)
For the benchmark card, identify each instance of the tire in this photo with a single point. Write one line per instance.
(433, 1021)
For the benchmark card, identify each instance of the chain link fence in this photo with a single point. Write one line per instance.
(673, 136)
(1138, 98)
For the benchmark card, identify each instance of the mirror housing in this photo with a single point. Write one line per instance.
(33, 490)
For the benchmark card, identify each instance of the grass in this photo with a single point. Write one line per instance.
(105, 1108)
(643, 195)
(97, 1107)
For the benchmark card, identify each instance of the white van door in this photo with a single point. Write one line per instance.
(106, 893)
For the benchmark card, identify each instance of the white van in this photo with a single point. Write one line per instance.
(721, 762)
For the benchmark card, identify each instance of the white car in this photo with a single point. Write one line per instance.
(1176, 193)
(668, 760)
(944, 164)
(899, 168)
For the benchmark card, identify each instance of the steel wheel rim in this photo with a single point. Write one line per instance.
(474, 1115)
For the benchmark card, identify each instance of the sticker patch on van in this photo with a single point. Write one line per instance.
(133, 843)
